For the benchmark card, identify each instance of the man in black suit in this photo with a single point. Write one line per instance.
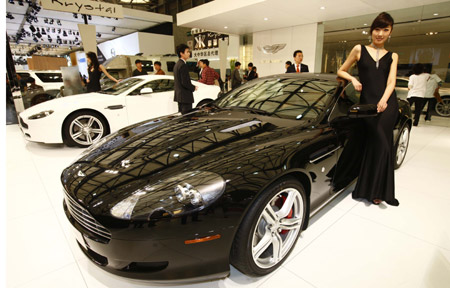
(297, 66)
(183, 86)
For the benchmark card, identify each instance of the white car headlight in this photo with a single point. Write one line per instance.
(40, 115)
(187, 192)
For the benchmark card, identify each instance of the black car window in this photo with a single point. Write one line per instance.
(284, 98)
(348, 97)
(402, 83)
(160, 85)
(50, 77)
(147, 65)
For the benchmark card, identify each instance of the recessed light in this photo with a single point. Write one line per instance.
(322, 8)
(265, 19)
(365, 24)
(226, 27)
(436, 14)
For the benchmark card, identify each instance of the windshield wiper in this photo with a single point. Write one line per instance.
(255, 110)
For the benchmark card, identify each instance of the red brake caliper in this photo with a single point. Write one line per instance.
(289, 216)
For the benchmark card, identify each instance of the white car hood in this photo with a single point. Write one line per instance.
(69, 103)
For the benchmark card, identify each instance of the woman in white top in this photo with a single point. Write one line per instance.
(417, 86)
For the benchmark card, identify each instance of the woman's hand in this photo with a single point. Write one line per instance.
(381, 106)
(356, 84)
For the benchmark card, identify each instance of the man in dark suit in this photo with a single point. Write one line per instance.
(297, 66)
(183, 86)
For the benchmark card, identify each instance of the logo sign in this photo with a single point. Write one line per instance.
(207, 43)
(87, 7)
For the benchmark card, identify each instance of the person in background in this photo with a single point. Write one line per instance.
(417, 86)
(378, 73)
(183, 86)
(208, 74)
(254, 72)
(139, 69)
(236, 79)
(297, 66)
(95, 70)
(249, 72)
(432, 93)
(158, 69)
(287, 65)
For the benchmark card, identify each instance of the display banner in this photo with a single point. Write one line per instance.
(207, 44)
(87, 7)
(88, 37)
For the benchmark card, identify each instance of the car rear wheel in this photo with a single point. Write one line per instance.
(84, 128)
(270, 229)
(402, 146)
(203, 102)
(443, 109)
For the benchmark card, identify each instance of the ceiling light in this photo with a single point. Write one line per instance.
(32, 28)
(113, 29)
(75, 15)
(43, 31)
(265, 19)
(46, 20)
(11, 1)
(49, 39)
(64, 33)
(38, 34)
(20, 2)
(226, 27)
(322, 8)
(58, 22)
(99, 35)
(89, 17)
(436, 14)
(9, 16)
(365, 24)
(51, 21)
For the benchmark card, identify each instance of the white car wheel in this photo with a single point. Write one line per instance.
(443, 109)
(82, 129)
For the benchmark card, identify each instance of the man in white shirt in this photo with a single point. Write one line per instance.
(433, 84)
(417, 86)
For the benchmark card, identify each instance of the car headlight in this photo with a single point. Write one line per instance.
(185, 193)
(40, 115)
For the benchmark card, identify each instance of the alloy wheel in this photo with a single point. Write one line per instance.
(402, 146)
(277, 228)
(86, 129)
(443, 109)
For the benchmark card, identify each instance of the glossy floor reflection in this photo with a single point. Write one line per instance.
(348, 244)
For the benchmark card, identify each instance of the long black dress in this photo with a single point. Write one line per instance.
(94, 80)
(376, 177)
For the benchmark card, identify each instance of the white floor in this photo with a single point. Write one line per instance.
(349, 244)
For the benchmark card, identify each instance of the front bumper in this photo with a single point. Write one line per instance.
(167, 260)
(42, 130)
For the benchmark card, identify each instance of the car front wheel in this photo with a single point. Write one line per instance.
(270, 229)
(84, 128)
(402, 147)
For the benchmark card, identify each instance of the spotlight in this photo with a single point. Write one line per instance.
(64, 33)
(20, 2)
(48, 29)
(59, 30)
(11, 1)
(38, 34)
(65, 41)
(99, 35)
(46, 20)
(32, 29)
(58, 22)
(36, 20)
(35, 39)
(58, 40)
(89, 17)
(9, 16)
(75, 15)
(49, 39)
(51, 21)
(43, 31)
(53, 30)
(113, 29)
(70, 32)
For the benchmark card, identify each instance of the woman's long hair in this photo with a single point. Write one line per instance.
(94, 60)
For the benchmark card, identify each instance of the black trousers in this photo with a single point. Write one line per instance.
(184, 107)
(431, 106)
(418, 103)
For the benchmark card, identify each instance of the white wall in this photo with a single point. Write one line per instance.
(303, 37)
(138, 42)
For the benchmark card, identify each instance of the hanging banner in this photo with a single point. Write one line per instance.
(87, 7)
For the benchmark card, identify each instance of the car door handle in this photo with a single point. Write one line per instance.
(115, 107)
(325, 154)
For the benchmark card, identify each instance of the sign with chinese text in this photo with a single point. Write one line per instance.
(207, 44)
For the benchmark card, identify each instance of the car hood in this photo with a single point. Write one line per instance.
(67, 102)
(156, 149)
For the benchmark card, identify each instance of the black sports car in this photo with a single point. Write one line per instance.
(235, 181)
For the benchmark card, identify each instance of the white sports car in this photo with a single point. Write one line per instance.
(83, 119)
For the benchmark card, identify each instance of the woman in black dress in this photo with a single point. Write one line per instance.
(377, 72)
(95, 71)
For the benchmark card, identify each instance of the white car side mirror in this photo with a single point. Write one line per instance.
(146, 90)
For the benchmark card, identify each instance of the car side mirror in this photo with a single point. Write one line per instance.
(362, 111)
(146, 90)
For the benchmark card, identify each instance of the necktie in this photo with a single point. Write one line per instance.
(298, 70)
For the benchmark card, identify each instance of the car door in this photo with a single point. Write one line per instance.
(401, 88)
(351, 137)
(153, 99)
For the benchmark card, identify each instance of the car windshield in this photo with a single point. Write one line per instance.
(122, 86)
(284, 98)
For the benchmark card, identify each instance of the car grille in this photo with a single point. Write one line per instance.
(85, 219)
(22, 123)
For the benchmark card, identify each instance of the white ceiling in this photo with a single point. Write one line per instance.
(134, 20)
(241, 17)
